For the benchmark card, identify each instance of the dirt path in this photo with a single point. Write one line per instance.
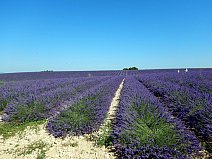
(104, 128)
(38, 143)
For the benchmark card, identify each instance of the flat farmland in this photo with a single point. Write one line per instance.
(106, 114)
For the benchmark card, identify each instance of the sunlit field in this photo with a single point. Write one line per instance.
(159, 113)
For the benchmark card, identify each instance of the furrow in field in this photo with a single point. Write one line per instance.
(24, 146)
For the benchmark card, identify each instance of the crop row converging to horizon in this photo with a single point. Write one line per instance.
(161, 114)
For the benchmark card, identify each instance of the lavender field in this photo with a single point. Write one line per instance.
(161, 113)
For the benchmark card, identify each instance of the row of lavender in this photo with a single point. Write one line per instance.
(73, 74)
(15, 90)
(85, 114)
(201, 81)
(62, 74)
(71, 105)
(188, 102)
(144, 128)
(35, 100)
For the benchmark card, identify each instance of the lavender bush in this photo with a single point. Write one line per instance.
(38, 106)
(23, 89)
(143, 128)
(190, 105)
(86, 114)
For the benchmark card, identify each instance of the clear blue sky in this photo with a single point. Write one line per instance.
(40, 35)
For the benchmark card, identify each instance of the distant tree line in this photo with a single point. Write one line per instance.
(47, 71)
(131, 68)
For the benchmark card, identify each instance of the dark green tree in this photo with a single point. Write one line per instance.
(131, 68)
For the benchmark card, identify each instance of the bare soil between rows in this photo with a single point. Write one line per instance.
(38, 143)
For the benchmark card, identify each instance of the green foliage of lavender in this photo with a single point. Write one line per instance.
(187, 102)
(79, 115)
(42, 100)
(1, 82)
(86, 114)
(28, 113)
(145, 129)
(3, 105)
(149, 128)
